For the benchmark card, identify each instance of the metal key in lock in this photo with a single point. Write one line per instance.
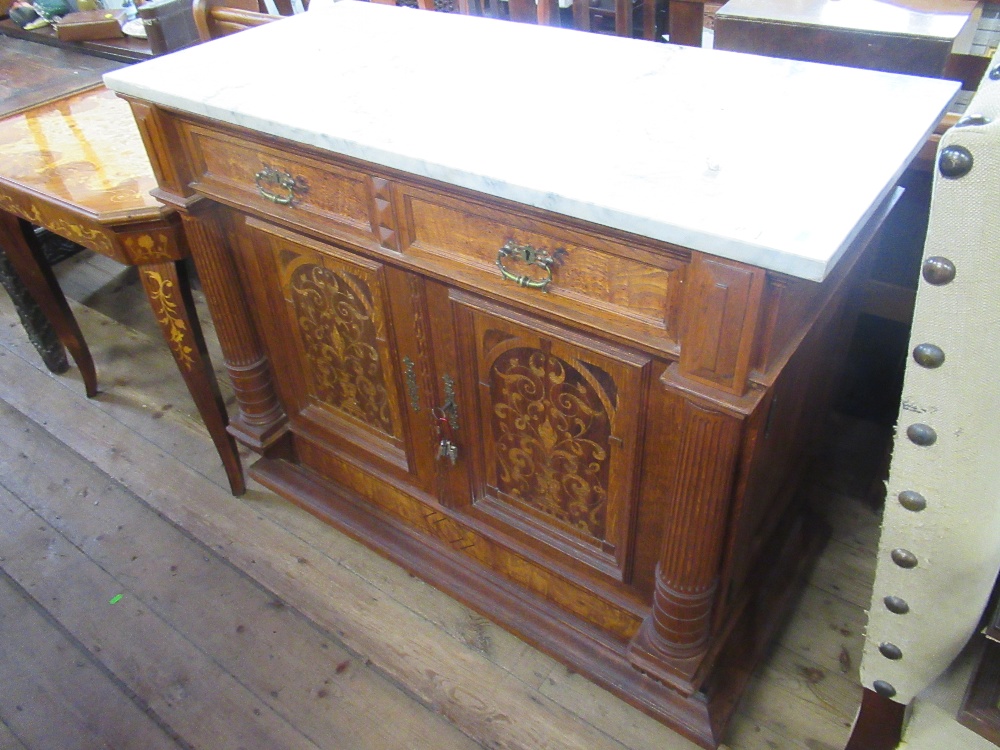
(447, 422)
(447, 449)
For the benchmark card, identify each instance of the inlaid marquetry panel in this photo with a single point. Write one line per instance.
(97, 238)
(83, 151)
(551, 428)
(331, 324)
(339, 315)
(559, 422)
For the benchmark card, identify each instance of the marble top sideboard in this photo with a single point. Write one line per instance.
(771, 162)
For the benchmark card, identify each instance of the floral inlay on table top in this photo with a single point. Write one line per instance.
(84, 150)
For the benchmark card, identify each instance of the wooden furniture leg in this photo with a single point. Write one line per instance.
(25, 255)
(879, 725)
(40, 332)
(169, 292)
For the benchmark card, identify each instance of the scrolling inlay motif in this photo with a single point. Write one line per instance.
(95, 239)
(552, 432)
(340, 336)
(161, 291)
(148, 248)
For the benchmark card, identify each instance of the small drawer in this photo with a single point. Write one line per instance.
(292, 188)
(635, 290)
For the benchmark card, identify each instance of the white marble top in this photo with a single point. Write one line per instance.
(775, 163)
(931, 19)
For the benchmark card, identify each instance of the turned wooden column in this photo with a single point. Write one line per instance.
(719, 324)
(687, 572)
(260, 417)
(695, 517)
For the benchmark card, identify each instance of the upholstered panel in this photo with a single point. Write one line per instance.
(940, 562)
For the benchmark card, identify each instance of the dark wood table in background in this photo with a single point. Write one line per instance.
(123, 49)
(33, 73)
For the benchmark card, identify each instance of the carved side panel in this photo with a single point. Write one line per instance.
(560, 417)
(160, 137)
(721, 307)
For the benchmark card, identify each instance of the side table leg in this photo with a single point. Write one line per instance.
(40, 332)
(169, 292)
(25, 256)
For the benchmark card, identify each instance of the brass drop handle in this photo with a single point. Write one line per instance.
(531, 256)
(277, 186)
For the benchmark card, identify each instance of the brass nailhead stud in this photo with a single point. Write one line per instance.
(912, 500)
(928, 355)
(884, 688)
(890, 651)
(896, 605)
(904, 558)
(976, 119)
(938, 270)
(921, 434)
(955, 161)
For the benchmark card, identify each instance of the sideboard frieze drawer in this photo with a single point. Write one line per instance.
(331, 199)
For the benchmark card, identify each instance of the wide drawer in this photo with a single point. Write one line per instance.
(292, 188)
(630, 289)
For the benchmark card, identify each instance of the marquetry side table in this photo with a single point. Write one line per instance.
(77, 166)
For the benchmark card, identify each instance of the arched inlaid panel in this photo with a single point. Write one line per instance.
(559, 416)
(552, 438)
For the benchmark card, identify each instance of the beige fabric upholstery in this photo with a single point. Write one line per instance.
(956, 538)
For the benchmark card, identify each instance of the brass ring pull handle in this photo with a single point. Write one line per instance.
(531, 256)
(283, 185)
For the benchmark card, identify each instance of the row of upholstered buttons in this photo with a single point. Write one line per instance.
(953, 162)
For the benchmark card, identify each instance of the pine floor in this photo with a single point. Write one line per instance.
(142, 606)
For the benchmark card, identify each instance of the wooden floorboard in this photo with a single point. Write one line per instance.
(270, 650)
(8, 740)
(245, 622)
(54, 694)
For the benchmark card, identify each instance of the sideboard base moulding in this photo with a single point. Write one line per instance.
(699, 708)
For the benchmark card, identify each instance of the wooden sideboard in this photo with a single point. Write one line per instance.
(589, 434)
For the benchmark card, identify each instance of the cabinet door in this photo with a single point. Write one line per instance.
(332, 334)
(555, 427)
